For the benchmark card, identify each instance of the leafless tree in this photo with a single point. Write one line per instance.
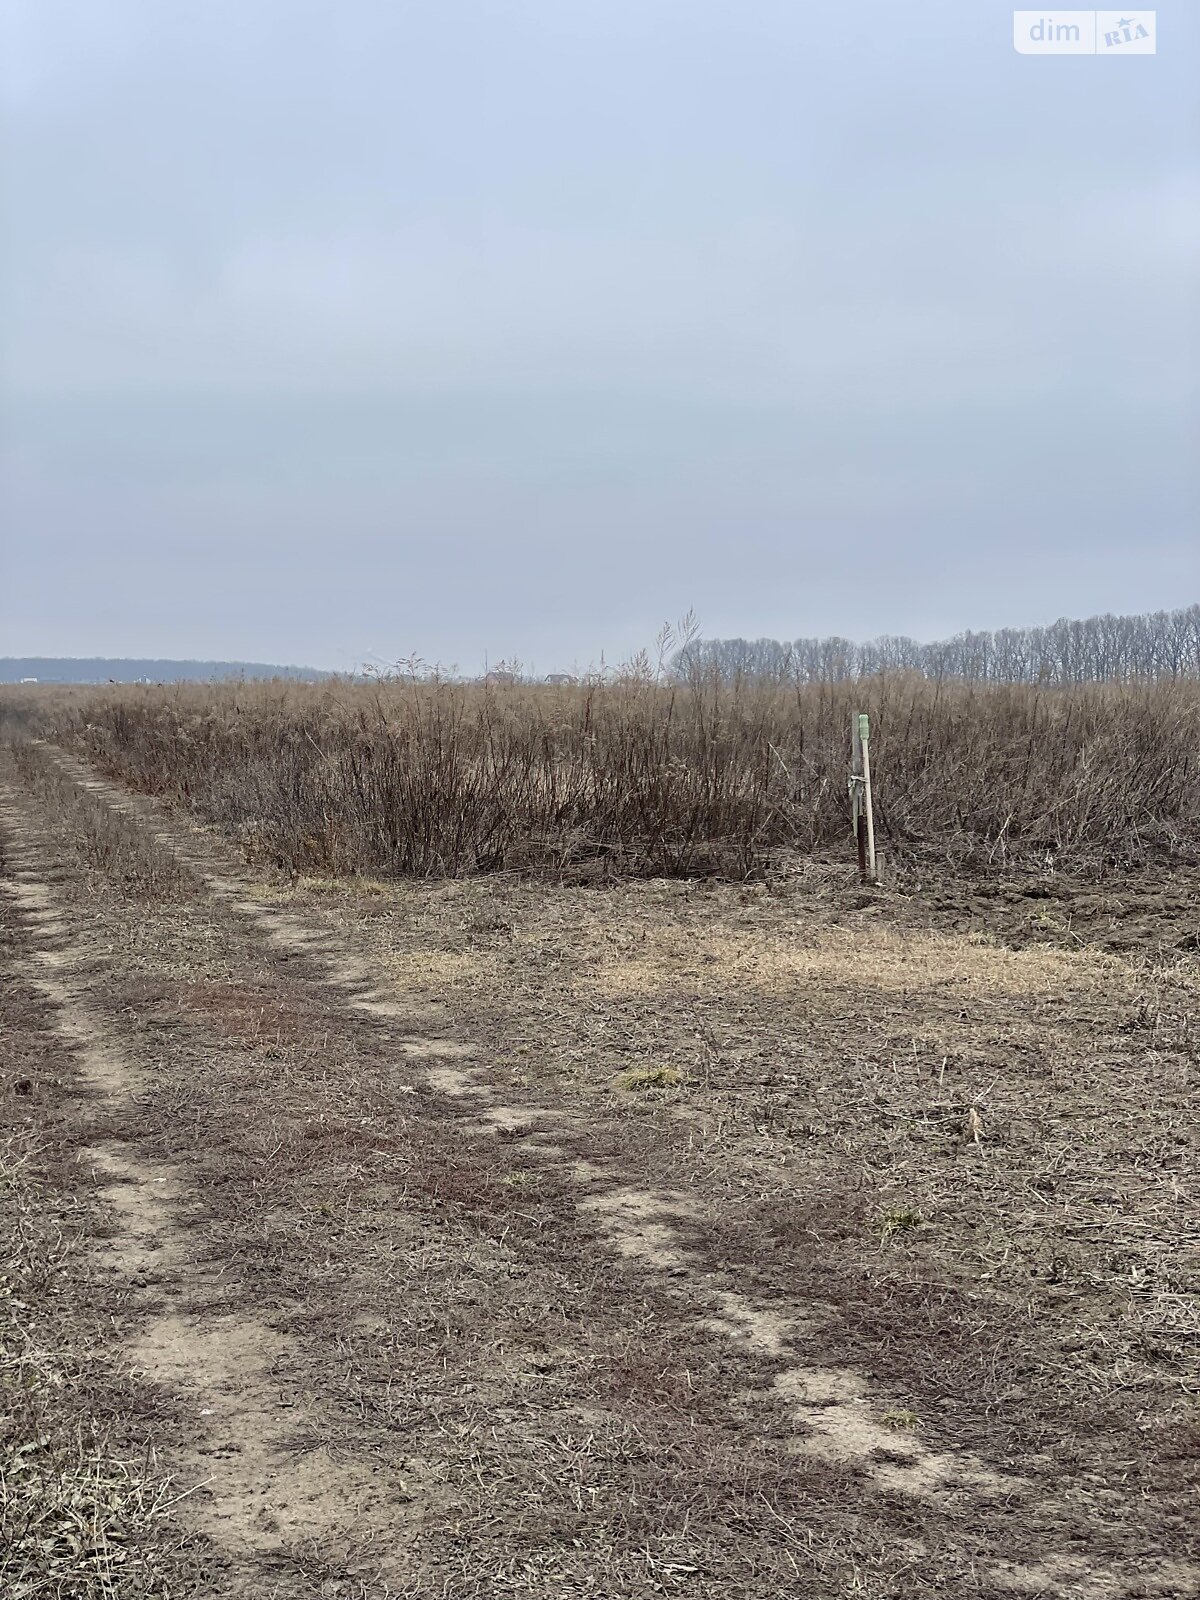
(1103, 649)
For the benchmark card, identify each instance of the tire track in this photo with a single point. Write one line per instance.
(834, 1411)
(260, 1478)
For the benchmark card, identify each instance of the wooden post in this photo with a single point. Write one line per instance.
(860, 795)
(857, 785)
(864, 734)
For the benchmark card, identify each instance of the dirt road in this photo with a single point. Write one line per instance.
(382, 1323)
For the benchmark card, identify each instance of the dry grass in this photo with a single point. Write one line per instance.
(651, 1077)
(961, 1168)
(912, 1104)
(108, 843)
(75, 1519)
(86, 1513)
(634, 776)
(768, 960)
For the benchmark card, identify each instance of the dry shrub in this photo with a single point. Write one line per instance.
(638, 776)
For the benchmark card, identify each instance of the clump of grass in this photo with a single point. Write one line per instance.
(901, 1219)
(664, 1077)
(369, 887)
(522, 1179)
(901, 1420)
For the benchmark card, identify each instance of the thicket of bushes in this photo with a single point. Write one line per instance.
(443, 778)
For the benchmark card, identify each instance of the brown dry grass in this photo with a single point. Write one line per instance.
(81, 1513)
(635, 776)
(963, 1166)
(1030, 1103)
(112, 846)
(866, 959)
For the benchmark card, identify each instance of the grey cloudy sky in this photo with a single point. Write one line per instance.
(484, 328)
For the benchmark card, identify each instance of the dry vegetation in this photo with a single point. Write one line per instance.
(85, 1514)
(124, 855)
(636, 776)
(736, 1230)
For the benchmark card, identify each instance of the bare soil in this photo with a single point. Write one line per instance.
(495, 1237)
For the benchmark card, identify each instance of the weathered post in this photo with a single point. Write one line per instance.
(857, 809)
(860, 795)
(864, 735)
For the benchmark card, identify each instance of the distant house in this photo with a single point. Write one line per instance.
(560, 677)
(500, 676)
(28, 680)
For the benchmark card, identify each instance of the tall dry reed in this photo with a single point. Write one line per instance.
(436, 778)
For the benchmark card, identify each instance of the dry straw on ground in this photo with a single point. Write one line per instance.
(75, 1518)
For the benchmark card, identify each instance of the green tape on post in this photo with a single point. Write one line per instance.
(864, 726)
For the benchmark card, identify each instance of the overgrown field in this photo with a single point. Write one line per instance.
(636, 776)
(484, 1234)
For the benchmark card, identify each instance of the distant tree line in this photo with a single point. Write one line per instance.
(1153, 644)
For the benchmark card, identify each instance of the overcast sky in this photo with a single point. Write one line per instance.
(495, 328)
